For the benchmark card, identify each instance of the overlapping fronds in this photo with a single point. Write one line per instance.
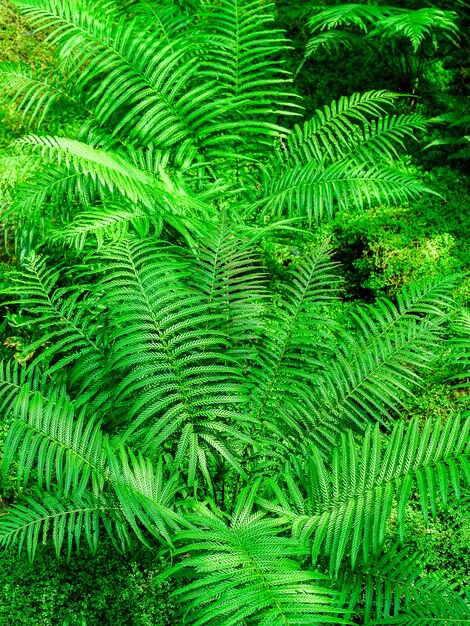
(396, 590)
(106, 224)
(374, 368)
(176, 370)
(66, 174)
(388, 23)
(83, 481)
(339, 159)
(34, 92)
(70, 322)
(295, 339)
(231, 280)
(315, 191)
(343, 507)
(245, 571)
(243, 56)
(415, 26)
(64, 521)
(158, 102)
(65, 450)
(328, 134)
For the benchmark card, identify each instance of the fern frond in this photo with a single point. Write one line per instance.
(106, 224)
(245, 571)
(146, 494)
(231, 280)
(361, 16)
(417, 25)
(331, 127)
(161, 99)
(345, 508)
(35, 91)
(72, 330)
(65, 521)
(109, 170)
(176, 372)
(375, 368)
(65, 450)
(396, 590)
(242, 56)
(69, 456)
(295, 337)
(314, 190)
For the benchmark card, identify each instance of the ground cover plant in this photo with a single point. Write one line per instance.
(186, 373)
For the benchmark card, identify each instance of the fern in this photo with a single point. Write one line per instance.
(347, 505)
(207, 87)
(245, 572)
(186, 390)
(396, 590)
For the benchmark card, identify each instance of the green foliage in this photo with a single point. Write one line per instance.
(387, 248)
(201, 120)
(175, 390)
(400, 34)
(107, 588)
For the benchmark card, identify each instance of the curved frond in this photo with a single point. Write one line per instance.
(35, 91)
(175, 366)
(242, 55)
(245, 571)
(374, 369)
(231, 280)
(344, 507)
(315, 190)
(328, 132)
(70, 319)
(65, 521)
(65, 450)
(296, 338)
(417, 25)
(396, 590)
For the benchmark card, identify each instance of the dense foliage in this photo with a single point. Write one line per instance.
(195, 377)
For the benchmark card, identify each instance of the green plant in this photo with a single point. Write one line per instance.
(200, 124)
(139, 408)
(404, 37)
(175, 394)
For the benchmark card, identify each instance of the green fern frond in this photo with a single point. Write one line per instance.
(176, 370)
(242, 56)
(65, 521)
(296, 335)
(331, 126)
(417, 25)
(314, 190)
(396, 590)
(70, 457)
(72, 330)
(34, 91)
(146, 494)
(109, 170)
(106, 224)
(246, 572)
(387, 23)
(375, 368)
(346, 507)
(358, 15)
(332, 42)
(13, 377)
(231, 280)
(65, 450)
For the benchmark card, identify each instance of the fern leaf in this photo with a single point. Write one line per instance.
(245, 571)
(174, 371)
(347, 508)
